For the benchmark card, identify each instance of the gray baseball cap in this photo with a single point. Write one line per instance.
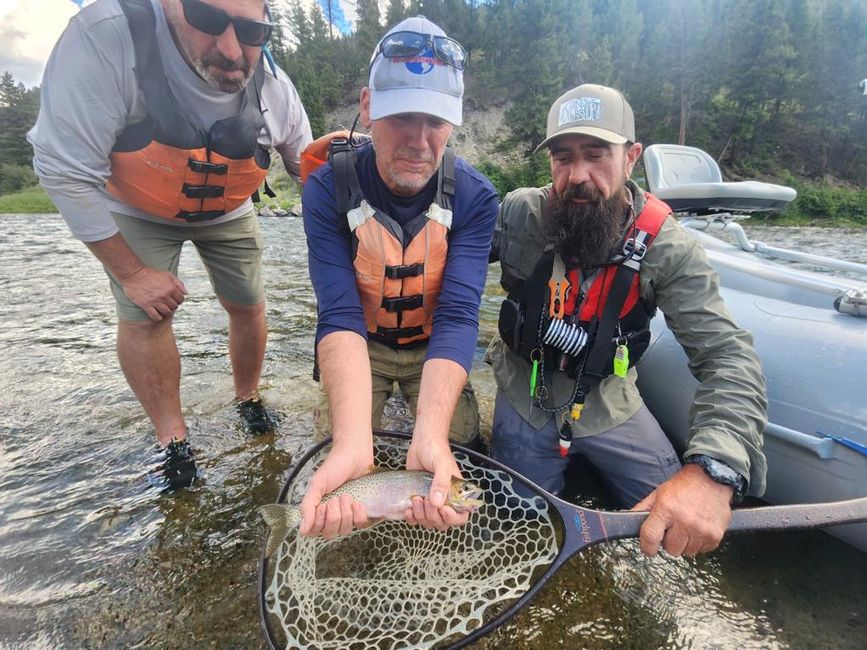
(420, 83)
(594, 110)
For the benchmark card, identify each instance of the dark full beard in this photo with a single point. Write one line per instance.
(585, 234)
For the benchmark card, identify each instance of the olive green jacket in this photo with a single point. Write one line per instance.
(729, 411)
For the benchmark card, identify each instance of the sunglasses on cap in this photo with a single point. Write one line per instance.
(213, 21)
(404, 44)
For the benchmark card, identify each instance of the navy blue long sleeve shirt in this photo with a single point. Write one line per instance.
(455, 326)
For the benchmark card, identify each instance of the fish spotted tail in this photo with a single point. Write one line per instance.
(280, 519)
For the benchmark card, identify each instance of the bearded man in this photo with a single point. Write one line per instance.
(155, 126)
(586, 261)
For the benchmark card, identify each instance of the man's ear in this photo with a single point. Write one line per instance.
(364, 108)
(633, 153)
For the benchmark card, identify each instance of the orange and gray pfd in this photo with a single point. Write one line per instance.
(398, 269)
(169, 167)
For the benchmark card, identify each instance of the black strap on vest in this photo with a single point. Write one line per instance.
(404, 271)
(402, 303)
(346, 186)
(142, 28)
(446, 181)
(391, 335)
(598, 361)
(534, 294)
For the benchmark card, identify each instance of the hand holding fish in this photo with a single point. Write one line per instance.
(433, 454)
(339, 516)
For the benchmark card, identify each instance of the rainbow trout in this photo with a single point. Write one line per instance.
(386, 494)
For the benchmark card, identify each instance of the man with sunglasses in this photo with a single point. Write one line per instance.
(399, 233)
(586, 260)
(155, 127)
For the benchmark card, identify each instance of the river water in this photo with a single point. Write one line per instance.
(91, 558)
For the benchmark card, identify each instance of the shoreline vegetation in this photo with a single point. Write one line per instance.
(816, 204)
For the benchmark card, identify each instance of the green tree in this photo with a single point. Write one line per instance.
(368, 30)
(10, 92)
(395, 12)
(19, 107)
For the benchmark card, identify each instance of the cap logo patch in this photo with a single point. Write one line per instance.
(420, 63)
(581, 109)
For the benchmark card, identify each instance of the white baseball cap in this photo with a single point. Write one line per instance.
(418, 83)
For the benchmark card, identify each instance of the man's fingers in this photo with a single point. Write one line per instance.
(434, 516)
(346, 515)
(694, 548)
(451, 517)
(332, 519)
(359, 515)
(675, 541)
(652, 532)
(646, 503)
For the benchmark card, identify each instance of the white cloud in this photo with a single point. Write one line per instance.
(28, 31)
(30, 28)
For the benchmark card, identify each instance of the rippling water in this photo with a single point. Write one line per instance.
(91, 558)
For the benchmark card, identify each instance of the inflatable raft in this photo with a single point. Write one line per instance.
(810, 331)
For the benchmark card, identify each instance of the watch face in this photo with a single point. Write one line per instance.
(721, 473)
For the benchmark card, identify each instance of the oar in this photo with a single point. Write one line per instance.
(852, 444)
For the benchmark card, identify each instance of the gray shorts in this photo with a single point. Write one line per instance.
(231, 252)
(633, 458)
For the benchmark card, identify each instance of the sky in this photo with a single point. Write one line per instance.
(29, 29)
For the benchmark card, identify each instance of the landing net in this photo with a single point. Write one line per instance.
(399, 586)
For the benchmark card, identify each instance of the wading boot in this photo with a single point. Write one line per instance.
(256, 418)
(173, 466)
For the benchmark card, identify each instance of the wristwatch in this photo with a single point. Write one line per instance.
(721, 473)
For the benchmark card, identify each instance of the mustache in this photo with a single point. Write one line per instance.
(582, 192)
(409, 154)
(217, 60)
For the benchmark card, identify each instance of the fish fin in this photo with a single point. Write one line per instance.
(375, 469)
(280, 519)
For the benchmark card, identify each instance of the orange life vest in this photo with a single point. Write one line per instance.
(168, 166)
(398, 269)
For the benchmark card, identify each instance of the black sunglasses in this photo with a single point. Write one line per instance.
(213, 21)
(403, 44)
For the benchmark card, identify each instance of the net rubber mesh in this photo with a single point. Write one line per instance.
(398, 586)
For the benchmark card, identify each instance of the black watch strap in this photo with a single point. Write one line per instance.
(721, 473)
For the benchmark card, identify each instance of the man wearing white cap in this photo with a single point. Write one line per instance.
(399, 233)
(586, 261)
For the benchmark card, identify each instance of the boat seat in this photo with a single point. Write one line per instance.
(689, 180)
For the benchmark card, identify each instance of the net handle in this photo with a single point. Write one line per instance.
(586, 527)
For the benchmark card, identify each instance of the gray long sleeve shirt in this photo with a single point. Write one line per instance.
(90, 94)
(729, 411)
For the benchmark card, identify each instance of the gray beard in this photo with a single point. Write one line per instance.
(220, 83)
(585, 235)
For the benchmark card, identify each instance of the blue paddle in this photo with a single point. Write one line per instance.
(846, 442)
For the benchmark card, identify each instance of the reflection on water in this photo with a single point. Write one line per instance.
(92, 558)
